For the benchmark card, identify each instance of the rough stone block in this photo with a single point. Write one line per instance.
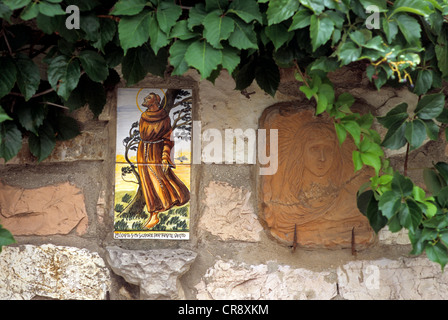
(157, 272)
(55, 209)
(228, 213)
(50, 271)
(228, 280)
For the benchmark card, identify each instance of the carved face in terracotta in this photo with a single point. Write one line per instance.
(318, 156)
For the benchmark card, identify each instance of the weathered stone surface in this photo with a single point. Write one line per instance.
(404, 279)
(157, 272)
(50, 271)
(228, 213)
(387, 237)
(233, 281)
(312, 195)
(56, 209)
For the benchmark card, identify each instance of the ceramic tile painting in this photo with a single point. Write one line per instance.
(153, 161)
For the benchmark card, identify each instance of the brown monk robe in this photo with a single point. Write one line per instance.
(162, 189)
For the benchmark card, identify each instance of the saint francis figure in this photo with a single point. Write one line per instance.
(162, 189)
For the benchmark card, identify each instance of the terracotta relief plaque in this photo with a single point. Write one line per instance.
(311, 199)
(153, 160)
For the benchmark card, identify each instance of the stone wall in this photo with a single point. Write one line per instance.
(61, 213)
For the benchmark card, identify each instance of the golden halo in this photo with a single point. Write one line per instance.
(136, 99)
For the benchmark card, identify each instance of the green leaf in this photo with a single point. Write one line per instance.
(158, 38)
(134, 30)
(181, 31)
(108, 29)
(390, 28)
(63, 75)
(267, 75)
(245, 74)
(430, 106)
(412, 6)
(7, 75)
(437, 253)
(354, 129)
(42, 146)
(3, 116)
(203, 57)
(196, 16)
(128, 7)
(322, 103)
(395, 136)
(442, 168)
(6, 238)
(94, 65)
(432, 129)
(28, 75)
(5, 12)
(281, 10)
(381, 4)
(368, 206)
(31, 116)
(300, 20)
(91, 27)
(432, 181)
(442, 197)
(349, 52)
(278, 34)
(30, 11)
(373, 160)
(217, 28)
(243, 36)
(402, 185)
(177, 57)
(410, 215)
(247, 10)
(410, 28)
(320, 31)
(16, 4)
(50, 9)
(389, 203)
(441, 50)
(230, 59)
(357, 160)
(424, 82)
(342, 135)
(11, 140)
(167, 14)
(415, 133)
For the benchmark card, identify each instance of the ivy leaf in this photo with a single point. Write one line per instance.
(107, 28)
(278, 34)
(441, 50)
(415, 133)
(279, 11)
(5, 12)
(158, 38)
(42, 146)
(243, 36)
(28, 75)
(410, 215)
(320, 30)
(247, 10)
(6, 238)
(196, 16)
(177, 57)
(267, 75)
(402, 185)
(7, 76)
(50, 9)
(16, 4)
(3, 116)
(397, 115)
(389, 203)
(245, 75)
(368, 206)
(31, 116)
(430, 106)
(424, 82)
(217, 27)
(437, 253)
(411, 6)
(11, 140)
(66, 128)
(203, 57)
(167, 14)
(94, 65)
(410, 28)
(349, 52)
(300, 20)
(63, 75)
(128, 7)
(181, 31)
(342, 135)
(230, 59)
(134, 30)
